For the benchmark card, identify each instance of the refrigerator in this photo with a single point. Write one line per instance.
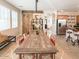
(61, 26)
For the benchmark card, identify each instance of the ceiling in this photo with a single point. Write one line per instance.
(65, 5)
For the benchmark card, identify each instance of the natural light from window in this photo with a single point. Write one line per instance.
(14, 19)
(8, 18)
(4, 18)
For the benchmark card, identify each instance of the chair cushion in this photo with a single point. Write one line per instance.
(3, 37)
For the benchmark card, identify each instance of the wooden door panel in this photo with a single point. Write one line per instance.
(27, 17)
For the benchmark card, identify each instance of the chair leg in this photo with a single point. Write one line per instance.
(68, 38)
(40, 56)
(33, 56)
(78, 42)
(73, 43)
(51, 55)
(20, 56)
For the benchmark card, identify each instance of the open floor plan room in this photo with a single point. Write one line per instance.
(39, 29)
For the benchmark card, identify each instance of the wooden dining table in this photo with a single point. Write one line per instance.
(36, 46)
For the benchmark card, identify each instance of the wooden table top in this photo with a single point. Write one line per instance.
(36, 44)
(34, 50)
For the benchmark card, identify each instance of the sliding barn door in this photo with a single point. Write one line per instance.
(27, 18)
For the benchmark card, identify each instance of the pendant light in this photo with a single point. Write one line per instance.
(36, 5)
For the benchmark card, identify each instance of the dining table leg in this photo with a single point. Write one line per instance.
(20, 56)
(37, 57)
(40, 56)
(51, 55)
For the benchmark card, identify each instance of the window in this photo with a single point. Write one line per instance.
(8, 18)
(14, 19)
(4, 18)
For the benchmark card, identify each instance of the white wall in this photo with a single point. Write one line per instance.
(68, 13)
(54, 28)
(51, 22)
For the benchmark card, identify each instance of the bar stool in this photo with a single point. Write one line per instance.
(77, 40)
(69, 37)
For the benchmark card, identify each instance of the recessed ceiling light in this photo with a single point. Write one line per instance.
(20, 6)
(61, 10)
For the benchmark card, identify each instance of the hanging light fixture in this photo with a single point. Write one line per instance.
(36, 5)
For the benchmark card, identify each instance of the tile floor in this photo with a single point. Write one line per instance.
(66, 50)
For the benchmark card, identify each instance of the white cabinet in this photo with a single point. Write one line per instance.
(71, 21)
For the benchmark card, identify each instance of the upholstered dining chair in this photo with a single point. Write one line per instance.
(53, 39)
(19, 39)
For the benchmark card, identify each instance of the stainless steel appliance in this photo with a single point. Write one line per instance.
(61, 26)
